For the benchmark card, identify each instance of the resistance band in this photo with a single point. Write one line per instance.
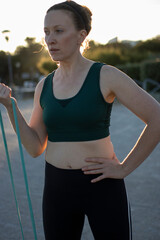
(24, 170)
(10, 171)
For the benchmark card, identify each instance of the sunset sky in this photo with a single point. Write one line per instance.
(125, 19)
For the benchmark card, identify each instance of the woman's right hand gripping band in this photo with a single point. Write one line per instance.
(5, 95)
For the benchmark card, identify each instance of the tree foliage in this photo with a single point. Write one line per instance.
(46, 65)
(34, 58)
(28, 56)
(116, 53)
(151, 46)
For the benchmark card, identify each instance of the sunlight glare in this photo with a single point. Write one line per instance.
(125, 19)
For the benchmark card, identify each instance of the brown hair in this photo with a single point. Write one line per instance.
(82, 15)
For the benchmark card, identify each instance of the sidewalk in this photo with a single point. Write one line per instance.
(143, 185)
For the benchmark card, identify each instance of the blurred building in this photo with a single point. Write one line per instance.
(129, 42)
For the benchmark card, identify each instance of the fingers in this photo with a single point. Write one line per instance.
(5, 95)
(106, 167)
(95, 160)
(2, 85)
(98, 179)
(5, 91)
(96, 171)
(92, 167)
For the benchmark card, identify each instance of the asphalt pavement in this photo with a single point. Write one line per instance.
(143, 185)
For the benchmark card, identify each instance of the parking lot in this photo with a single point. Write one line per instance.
(142, 185)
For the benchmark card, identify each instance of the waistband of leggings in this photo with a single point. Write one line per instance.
(69, 175)
(73, 174)
(79, 170)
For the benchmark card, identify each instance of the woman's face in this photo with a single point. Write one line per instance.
(61, 36)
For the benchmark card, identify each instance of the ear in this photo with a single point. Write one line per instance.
(82, 36)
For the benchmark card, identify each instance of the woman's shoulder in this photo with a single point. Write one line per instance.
(110, 70)
(41, 83)
(108, 75)
(112, 75)
(114, 81)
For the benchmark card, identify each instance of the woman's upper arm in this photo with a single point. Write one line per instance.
(36, 120)
(131, 95)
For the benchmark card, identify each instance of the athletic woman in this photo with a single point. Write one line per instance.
(70, 121)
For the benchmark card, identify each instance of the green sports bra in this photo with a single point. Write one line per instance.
(83, 117)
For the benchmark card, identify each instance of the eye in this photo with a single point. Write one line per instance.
(46, 32)
(59, 30)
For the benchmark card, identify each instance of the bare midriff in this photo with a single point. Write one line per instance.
(72, 155)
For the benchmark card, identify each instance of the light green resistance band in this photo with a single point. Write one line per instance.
(24, 171)
(10, 171)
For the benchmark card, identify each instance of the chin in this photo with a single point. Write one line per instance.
(59, 59)
(56, 58)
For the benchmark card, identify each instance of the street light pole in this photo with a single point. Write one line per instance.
(10, 70)
(9, 59)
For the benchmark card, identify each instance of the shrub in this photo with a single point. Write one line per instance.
(151, 69)
(46, 65)
(141, 71)
(132, 70)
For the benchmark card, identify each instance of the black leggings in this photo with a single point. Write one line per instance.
(69, 195)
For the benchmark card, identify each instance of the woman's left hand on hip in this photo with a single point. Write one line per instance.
(107, 167)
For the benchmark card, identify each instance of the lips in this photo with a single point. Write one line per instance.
(54, 50)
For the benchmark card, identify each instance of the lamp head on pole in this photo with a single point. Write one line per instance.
(5, 32)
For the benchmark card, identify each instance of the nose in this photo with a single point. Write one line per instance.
(50, 39)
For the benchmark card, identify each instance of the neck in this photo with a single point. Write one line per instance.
(71, 66)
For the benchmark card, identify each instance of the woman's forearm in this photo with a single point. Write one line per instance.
(29, 137)
(146, 143)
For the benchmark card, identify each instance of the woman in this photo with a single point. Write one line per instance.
(70, 120)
